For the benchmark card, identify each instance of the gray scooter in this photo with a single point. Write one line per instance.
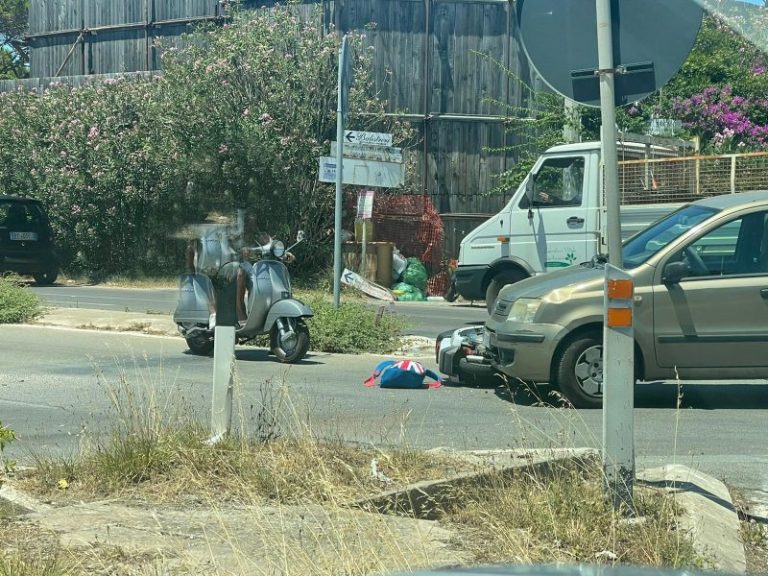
(269, 304)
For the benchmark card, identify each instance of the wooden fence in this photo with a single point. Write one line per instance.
(428, 66)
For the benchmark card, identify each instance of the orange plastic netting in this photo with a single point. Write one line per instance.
(414, 226)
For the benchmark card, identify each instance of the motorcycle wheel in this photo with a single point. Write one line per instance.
(200, 344)
(291, 347)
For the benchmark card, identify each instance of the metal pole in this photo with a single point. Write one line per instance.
(618, 344)
(608, 132)
(364, 265)
(339, 175)
(572, 121)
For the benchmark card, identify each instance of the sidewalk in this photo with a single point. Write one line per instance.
(112, 320)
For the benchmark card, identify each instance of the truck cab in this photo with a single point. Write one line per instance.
(553, 220)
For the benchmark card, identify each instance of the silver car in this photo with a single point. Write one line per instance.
(701, 305)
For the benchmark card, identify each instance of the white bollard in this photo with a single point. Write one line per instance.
(223, 366)
(618, 388)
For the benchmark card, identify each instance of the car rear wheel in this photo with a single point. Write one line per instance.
(46, 278)
(578, 370)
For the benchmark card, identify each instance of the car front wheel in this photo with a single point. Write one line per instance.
(578, 370)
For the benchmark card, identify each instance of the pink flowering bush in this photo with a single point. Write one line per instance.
(122, 166)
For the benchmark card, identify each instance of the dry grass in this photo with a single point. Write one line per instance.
(564, 517)
(274, 499)
(29, 551)
(158, 451)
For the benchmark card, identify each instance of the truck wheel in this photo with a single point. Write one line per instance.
(578, 370)
(498, 282)
(451, 295)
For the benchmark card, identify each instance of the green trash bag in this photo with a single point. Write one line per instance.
(416, 274)
(406, 293)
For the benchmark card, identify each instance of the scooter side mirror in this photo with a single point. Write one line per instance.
(300, 236)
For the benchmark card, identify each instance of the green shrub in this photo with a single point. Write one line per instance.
(352, 328)
(17, 304)
(238, 118)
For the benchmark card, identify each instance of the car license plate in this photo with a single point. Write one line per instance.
(24, 236)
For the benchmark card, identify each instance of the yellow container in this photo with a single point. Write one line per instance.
(359, 230)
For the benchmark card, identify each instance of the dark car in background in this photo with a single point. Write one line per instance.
(26, 240)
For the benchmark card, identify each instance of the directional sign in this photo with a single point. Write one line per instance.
(358, 282)
(367, 138)
(363, 152)
(364, 172)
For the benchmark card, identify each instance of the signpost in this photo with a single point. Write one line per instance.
(341, 112)
(367, 138)
(363, 172)
(572, 44)
(371, 162)
(374, 290)
(365, 152)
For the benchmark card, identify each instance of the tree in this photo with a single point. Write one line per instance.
(14, 52)
(719, 92)
(237, 120)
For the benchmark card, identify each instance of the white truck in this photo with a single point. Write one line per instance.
(556, 217)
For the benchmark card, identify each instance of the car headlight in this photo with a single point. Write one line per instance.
(524, 310)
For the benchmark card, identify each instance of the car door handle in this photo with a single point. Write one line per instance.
(764, 293)
(575, 220)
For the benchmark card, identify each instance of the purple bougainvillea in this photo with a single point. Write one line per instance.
(723, 120)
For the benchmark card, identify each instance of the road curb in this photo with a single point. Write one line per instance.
(163, 325)
(424, 499)
(708, 515)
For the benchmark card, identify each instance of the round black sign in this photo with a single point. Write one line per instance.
(651, 40)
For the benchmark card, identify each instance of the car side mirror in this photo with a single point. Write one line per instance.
(674, 272)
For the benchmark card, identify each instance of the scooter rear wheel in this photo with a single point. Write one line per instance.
(200, 344)
(293, 346)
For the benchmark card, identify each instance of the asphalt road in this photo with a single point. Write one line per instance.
(56, 383)
(424, 318)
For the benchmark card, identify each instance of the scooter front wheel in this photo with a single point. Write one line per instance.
(290, 344)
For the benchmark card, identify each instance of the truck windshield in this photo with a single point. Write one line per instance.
(642, 246)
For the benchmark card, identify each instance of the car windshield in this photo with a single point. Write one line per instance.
(642, 246)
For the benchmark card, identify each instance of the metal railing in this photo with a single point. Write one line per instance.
(691, 177)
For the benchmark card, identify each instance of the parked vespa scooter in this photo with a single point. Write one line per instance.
(269, 304)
